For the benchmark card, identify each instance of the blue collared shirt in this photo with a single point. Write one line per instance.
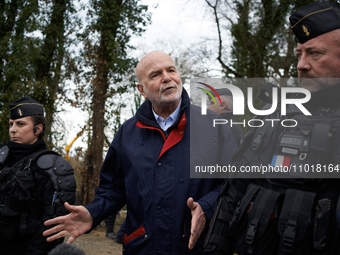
(165, 124)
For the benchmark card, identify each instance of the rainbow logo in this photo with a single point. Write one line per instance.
(208, 92)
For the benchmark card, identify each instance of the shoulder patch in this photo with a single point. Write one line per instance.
(62, 167)
(46, 161)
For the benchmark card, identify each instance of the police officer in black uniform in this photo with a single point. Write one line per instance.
(291, 212)
(34, 182)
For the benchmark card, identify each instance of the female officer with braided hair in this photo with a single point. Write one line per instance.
(34, 182)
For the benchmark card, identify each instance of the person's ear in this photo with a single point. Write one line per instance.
(38, 129)
(140, 88)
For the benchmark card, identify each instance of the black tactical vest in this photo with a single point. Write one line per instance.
(19, 209)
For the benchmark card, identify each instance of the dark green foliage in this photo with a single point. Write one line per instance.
(32, 52)
(107, 66)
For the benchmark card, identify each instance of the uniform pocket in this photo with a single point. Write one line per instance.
(258, 226)
(295, 221)
(128, 238)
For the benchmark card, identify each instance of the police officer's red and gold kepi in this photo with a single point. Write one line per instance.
(315, 19)
(24, 107)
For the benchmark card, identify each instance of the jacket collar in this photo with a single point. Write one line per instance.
(145, 115)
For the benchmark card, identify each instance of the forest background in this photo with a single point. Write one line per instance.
(79, 56)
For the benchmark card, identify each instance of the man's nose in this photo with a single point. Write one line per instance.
(166, 77)
(303, 63)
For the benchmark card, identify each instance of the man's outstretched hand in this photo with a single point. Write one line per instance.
(197, 222)
(74, 224)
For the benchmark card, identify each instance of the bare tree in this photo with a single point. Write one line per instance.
(262, 43)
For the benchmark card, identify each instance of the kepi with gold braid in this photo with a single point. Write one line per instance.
(24, 107)
(315, 19)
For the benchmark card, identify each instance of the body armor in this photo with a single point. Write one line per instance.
(19, 206)
(296, 213)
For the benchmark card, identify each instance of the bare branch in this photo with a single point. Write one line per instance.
(220, 42)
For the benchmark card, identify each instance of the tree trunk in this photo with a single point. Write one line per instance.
(49, 63)
(94, 157)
